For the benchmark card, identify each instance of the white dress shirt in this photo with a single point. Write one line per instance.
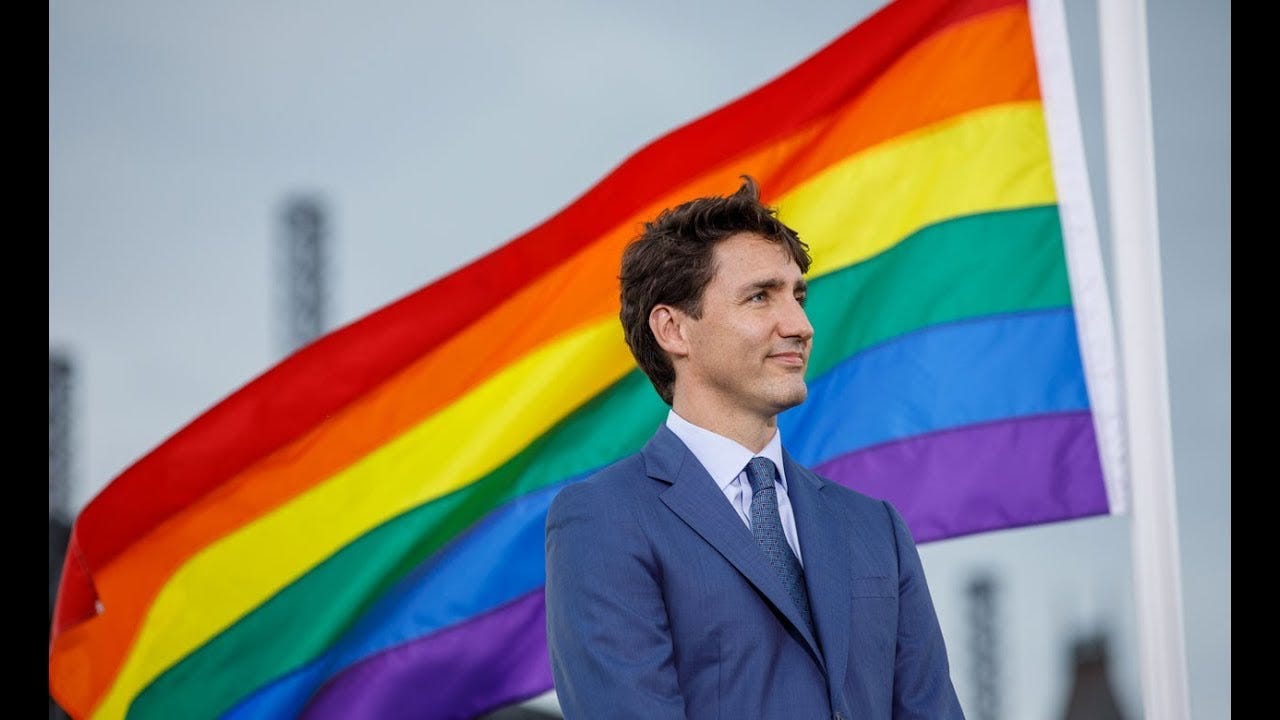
(726, 462)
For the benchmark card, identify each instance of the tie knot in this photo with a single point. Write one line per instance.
(761, 472)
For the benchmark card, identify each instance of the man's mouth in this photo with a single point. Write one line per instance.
(795, 359)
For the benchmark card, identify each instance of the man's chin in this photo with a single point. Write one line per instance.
(790, 397)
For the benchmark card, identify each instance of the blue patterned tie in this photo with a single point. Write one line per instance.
(766, 525)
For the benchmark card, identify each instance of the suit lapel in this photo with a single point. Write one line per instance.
(824, 546)
(696, 499)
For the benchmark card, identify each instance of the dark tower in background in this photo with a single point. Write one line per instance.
(305, 271)
(982, 627)
(59, 435)
(1091, 696)
(60, 387)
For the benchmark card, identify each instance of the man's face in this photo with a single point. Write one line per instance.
(749, 350)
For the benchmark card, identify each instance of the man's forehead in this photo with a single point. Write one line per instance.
(752, 259)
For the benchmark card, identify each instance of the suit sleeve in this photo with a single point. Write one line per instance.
(607, 631)
(922, 687)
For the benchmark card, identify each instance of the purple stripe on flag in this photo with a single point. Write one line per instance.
(494, 659)
(1005, 474)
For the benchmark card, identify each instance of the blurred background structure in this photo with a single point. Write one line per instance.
(984, 624)
(304, 272)
(441, 131)
(1092, 696)
(61, 445)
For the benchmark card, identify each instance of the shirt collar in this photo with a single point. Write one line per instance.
(724, 459)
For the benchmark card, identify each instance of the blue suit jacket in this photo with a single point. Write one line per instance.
(661, 605)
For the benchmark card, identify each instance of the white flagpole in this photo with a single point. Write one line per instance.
(1135, 248)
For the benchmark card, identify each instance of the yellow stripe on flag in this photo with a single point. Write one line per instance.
(996, 158)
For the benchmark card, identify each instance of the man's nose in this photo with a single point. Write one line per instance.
(795, 322)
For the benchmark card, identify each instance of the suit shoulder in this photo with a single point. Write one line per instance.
(848, 496)
(617, 477)
(864, 506)
(603, 487)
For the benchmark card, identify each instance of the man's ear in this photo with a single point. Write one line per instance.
(667, 324)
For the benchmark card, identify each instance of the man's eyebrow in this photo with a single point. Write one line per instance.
(774, 284)
(770, 284)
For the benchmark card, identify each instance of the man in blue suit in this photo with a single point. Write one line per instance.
(709, 575)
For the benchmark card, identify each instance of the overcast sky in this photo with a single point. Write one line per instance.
(435, 132)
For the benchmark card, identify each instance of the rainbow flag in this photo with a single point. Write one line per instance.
(358, 532)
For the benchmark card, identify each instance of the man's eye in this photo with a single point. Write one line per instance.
(801, 299)
(758, 296)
